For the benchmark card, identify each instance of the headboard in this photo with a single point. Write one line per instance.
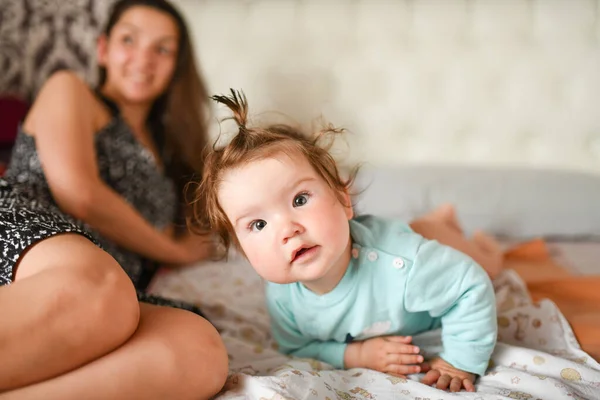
(483, 82)
(475, 82)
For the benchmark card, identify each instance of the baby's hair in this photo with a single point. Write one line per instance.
(253, 144)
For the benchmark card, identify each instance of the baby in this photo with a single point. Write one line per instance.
(348, 290)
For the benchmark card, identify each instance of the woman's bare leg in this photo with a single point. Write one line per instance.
(442, 225)
(70, 303)
(174, 354)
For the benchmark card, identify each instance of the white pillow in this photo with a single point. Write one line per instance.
(517, 203)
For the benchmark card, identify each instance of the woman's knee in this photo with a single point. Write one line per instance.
(106, 297)
(193, 357)
(89, 287)
(210, 354)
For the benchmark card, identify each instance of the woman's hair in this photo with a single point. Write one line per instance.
(253, 144)
(178, 119)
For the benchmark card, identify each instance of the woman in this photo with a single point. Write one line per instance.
(93, 188)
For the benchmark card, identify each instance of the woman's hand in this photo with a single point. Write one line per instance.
(445, 376)
(390, 354)
(192, 248)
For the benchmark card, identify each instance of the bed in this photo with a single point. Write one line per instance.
(538, 355)
(547, 295)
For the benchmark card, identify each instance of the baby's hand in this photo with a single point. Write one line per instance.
(445, 376)
(390, 354)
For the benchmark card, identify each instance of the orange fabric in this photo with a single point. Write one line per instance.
(533, 262)
(578, 297)
(533, 250)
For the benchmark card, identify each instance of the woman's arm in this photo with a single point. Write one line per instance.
(64, 120)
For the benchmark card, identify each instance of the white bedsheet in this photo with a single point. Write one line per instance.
(537, 356)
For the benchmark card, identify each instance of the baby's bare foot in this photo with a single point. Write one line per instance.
(446, 213)
(493, 253)
(487, 242)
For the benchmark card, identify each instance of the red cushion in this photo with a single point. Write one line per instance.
(12, 112)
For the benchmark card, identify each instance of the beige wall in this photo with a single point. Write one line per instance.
(492, 82)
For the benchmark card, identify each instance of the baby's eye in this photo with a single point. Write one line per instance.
(127, 39)
(300, 199)
(258, 225)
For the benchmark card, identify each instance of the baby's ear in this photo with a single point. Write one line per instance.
(347, 204)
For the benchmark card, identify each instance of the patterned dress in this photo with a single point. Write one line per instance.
(28, 212)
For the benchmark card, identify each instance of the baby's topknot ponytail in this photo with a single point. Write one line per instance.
(238, 105)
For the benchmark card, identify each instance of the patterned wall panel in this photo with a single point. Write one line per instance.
(38, 37)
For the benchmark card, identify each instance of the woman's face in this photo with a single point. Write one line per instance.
(140, 54)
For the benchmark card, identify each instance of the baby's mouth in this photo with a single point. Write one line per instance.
(301, 251)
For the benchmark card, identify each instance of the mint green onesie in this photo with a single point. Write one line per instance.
(397, 283)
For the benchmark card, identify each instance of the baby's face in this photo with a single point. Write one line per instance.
(288, 221)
